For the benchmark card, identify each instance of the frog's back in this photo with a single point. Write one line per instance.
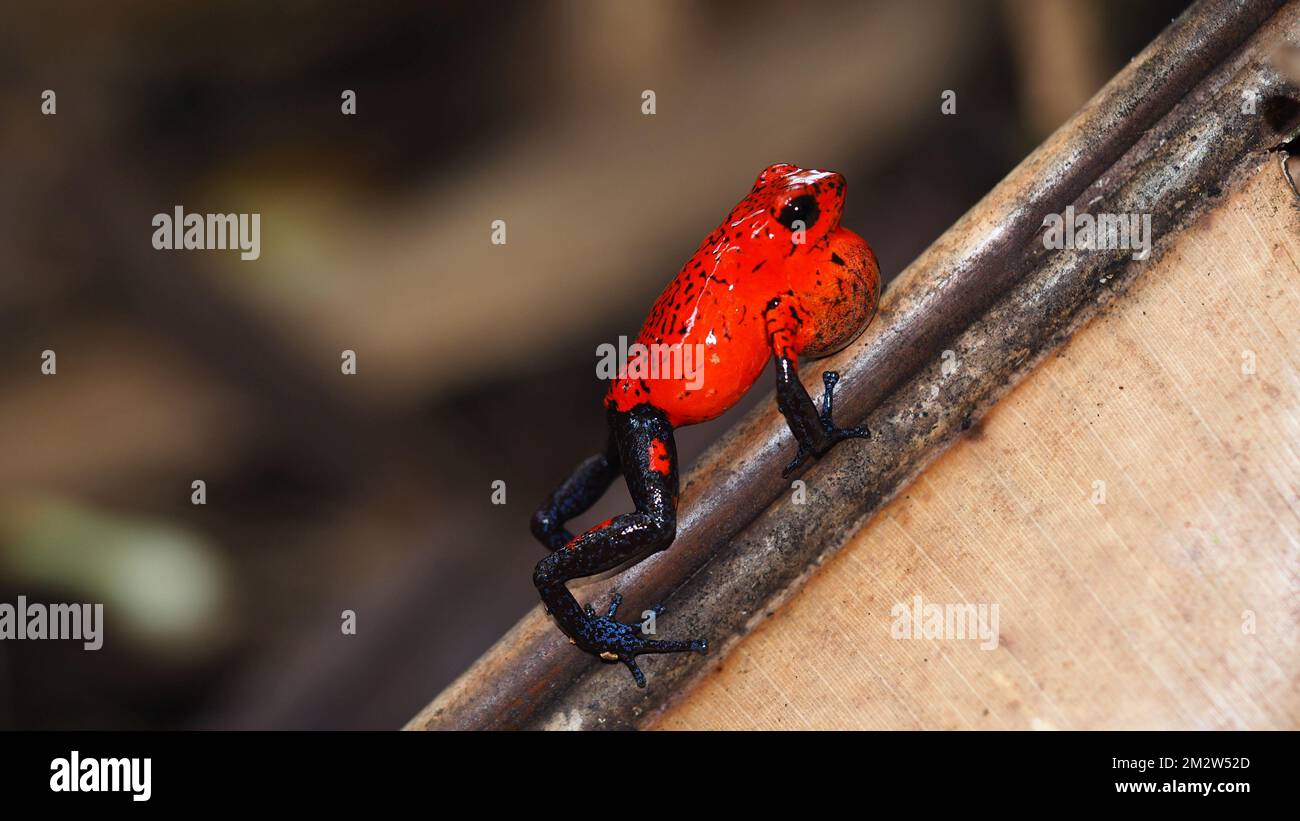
(704, 340)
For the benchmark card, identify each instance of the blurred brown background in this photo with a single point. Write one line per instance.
(372, 492)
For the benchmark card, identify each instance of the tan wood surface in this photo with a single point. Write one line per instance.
(1172, 604)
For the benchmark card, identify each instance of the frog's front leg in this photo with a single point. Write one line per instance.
(815, 431)
(648, 456)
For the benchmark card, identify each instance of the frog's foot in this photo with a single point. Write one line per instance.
(832, 435)
(613, 641)
(829, 380)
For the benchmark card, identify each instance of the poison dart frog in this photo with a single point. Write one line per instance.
(779, 279)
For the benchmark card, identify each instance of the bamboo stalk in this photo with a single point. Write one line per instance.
(986, 289)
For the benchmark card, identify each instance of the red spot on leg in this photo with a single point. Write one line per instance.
(587, 533)
(659, 461)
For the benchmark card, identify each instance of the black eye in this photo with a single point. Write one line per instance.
(802, 208)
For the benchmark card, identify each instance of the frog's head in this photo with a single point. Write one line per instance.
(836, 276)
(800, 199)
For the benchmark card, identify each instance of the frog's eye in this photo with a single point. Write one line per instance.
(802, 208)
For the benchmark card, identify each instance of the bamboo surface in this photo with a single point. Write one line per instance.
(1132, 508)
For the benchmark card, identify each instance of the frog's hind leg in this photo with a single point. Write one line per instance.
(575, 496)
(648, 456)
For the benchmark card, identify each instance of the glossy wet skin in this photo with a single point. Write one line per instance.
(778, 279)
(829, 283)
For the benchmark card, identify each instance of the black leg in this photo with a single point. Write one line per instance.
(575, 496)
(815, 432)
(648, 455)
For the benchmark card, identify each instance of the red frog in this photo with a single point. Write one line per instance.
(780, 278)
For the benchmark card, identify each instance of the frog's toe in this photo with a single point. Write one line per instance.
(614, 602)
(636, 671)
(700, 646)
(794, 465)
(859, 432)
